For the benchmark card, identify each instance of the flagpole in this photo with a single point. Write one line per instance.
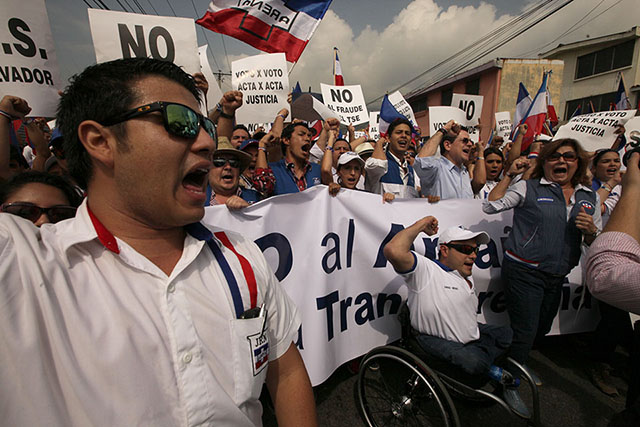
(624, 86)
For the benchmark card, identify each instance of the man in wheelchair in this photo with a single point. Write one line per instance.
(443, 304)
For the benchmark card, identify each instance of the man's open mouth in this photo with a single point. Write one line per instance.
(196, 180)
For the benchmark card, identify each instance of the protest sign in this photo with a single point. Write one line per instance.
(264, 83)
(470, 104)
(214, 94)
(132, 35)
(29, 67)
(254, 127)
(374, 120)
(594, 130)
(347, 103)
(503, 124)
(402, 106)
(439, 116)
(331, 264)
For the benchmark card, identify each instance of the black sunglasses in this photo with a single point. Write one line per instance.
(465, 249)
(32, 212)
(179, 120)
(221, 161)
(569, 156)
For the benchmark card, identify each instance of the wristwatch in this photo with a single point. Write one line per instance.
(222, 113)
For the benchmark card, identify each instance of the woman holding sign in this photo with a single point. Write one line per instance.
(554, 213)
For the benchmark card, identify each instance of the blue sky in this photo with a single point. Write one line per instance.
(383, 43)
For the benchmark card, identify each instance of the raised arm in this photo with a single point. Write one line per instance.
(226, 112)
(431, 146)
(516, 148)
(326, 172)
(398, 250)
(36, 135)
(480, 171)
(517, 167)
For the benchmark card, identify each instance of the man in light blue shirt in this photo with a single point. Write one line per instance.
(447, 176)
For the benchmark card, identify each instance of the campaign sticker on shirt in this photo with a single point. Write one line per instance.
(588, 207)
(316, 181)
(545, 199)
(259, 344)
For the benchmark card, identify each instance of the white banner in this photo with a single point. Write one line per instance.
(29, 66)
(439, 116)
(374, 121)
(327, 253)
(402, 106)
(503, 124)
(595, 130)
(264, 83)
(131, 35)
(470, 104)
(214, 94)
(347, 103)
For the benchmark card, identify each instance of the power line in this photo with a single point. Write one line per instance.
(87, 3)
(173, 11)
(104, 6)
(122, 6)
(137, 3)
(225, 51)
(152, 7)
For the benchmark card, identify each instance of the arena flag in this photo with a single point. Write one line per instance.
(338, 80)
(388, 114)
(622, 100)
(522, 106)
(271, 26)
(536, 115)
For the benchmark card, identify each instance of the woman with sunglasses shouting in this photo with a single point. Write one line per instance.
(554, 213)
(41, 198)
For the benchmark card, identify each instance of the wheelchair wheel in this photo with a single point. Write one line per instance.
(395, 388)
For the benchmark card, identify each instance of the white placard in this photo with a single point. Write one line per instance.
(131, 35)
(470, 104)
(29, 66)
(503, 124)
(402, 106)
(595, 130)
(439, 116)
(348, 295)
(374, 121)
(347, 103)
(264, 83)
(214, 94)
(322, 109)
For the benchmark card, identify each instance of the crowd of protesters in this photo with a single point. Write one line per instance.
(561, 196)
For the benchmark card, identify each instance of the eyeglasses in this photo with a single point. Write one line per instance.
(32, 212)
(179, 120)
(569, 156)
(221, 161)
(410, 154)
(465, 249)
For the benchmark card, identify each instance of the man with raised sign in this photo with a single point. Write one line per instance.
(134, 312)
(447, 176)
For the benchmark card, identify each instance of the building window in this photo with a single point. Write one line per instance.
(472, 87)
(419, 104)
(604, 60)
(600, 103)
(445, 96)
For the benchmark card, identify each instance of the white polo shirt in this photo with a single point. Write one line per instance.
(441, 302)
(93, 333)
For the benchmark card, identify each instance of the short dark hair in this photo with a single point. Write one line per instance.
(18, 181)
(448, 137)
(397, 122)
(493, 150)
(103, 91)
(344, 140)
(288, 131)
(243, 127)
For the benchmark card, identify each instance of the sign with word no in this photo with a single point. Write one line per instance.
(470, 104)
(28, 63)
(119, 35)
(347, 102)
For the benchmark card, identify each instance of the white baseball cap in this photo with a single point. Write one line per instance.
(454, 234)
(349, 156)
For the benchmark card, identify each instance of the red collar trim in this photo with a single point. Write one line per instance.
(104, 235)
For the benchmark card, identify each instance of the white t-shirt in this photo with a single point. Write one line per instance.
(441, 302)
(93, 333)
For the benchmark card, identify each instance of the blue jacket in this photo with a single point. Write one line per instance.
(285, 180)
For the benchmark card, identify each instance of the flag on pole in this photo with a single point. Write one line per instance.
(590, 108)
(576, 112)
(522, 106)
(551, 111)
(271, 25)
(622, 100)
(388, 114)
(338, 80)
(536, 115)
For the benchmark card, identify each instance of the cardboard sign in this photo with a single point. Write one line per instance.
(439, 116)
(131, 35)
(595, 130)
(470, 104)
(503, 124)
(374, 120)
(347, 102)
(214, 94)
(402, 106)
(28, 62)
(264, 83)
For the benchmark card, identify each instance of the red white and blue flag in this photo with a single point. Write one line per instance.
(271, 25)
(536, 115)
(338, 80)
(388, 114)
(622, 100)
(551, 111)
(522, 106)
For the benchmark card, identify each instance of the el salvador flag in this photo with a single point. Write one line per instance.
(388, 114)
